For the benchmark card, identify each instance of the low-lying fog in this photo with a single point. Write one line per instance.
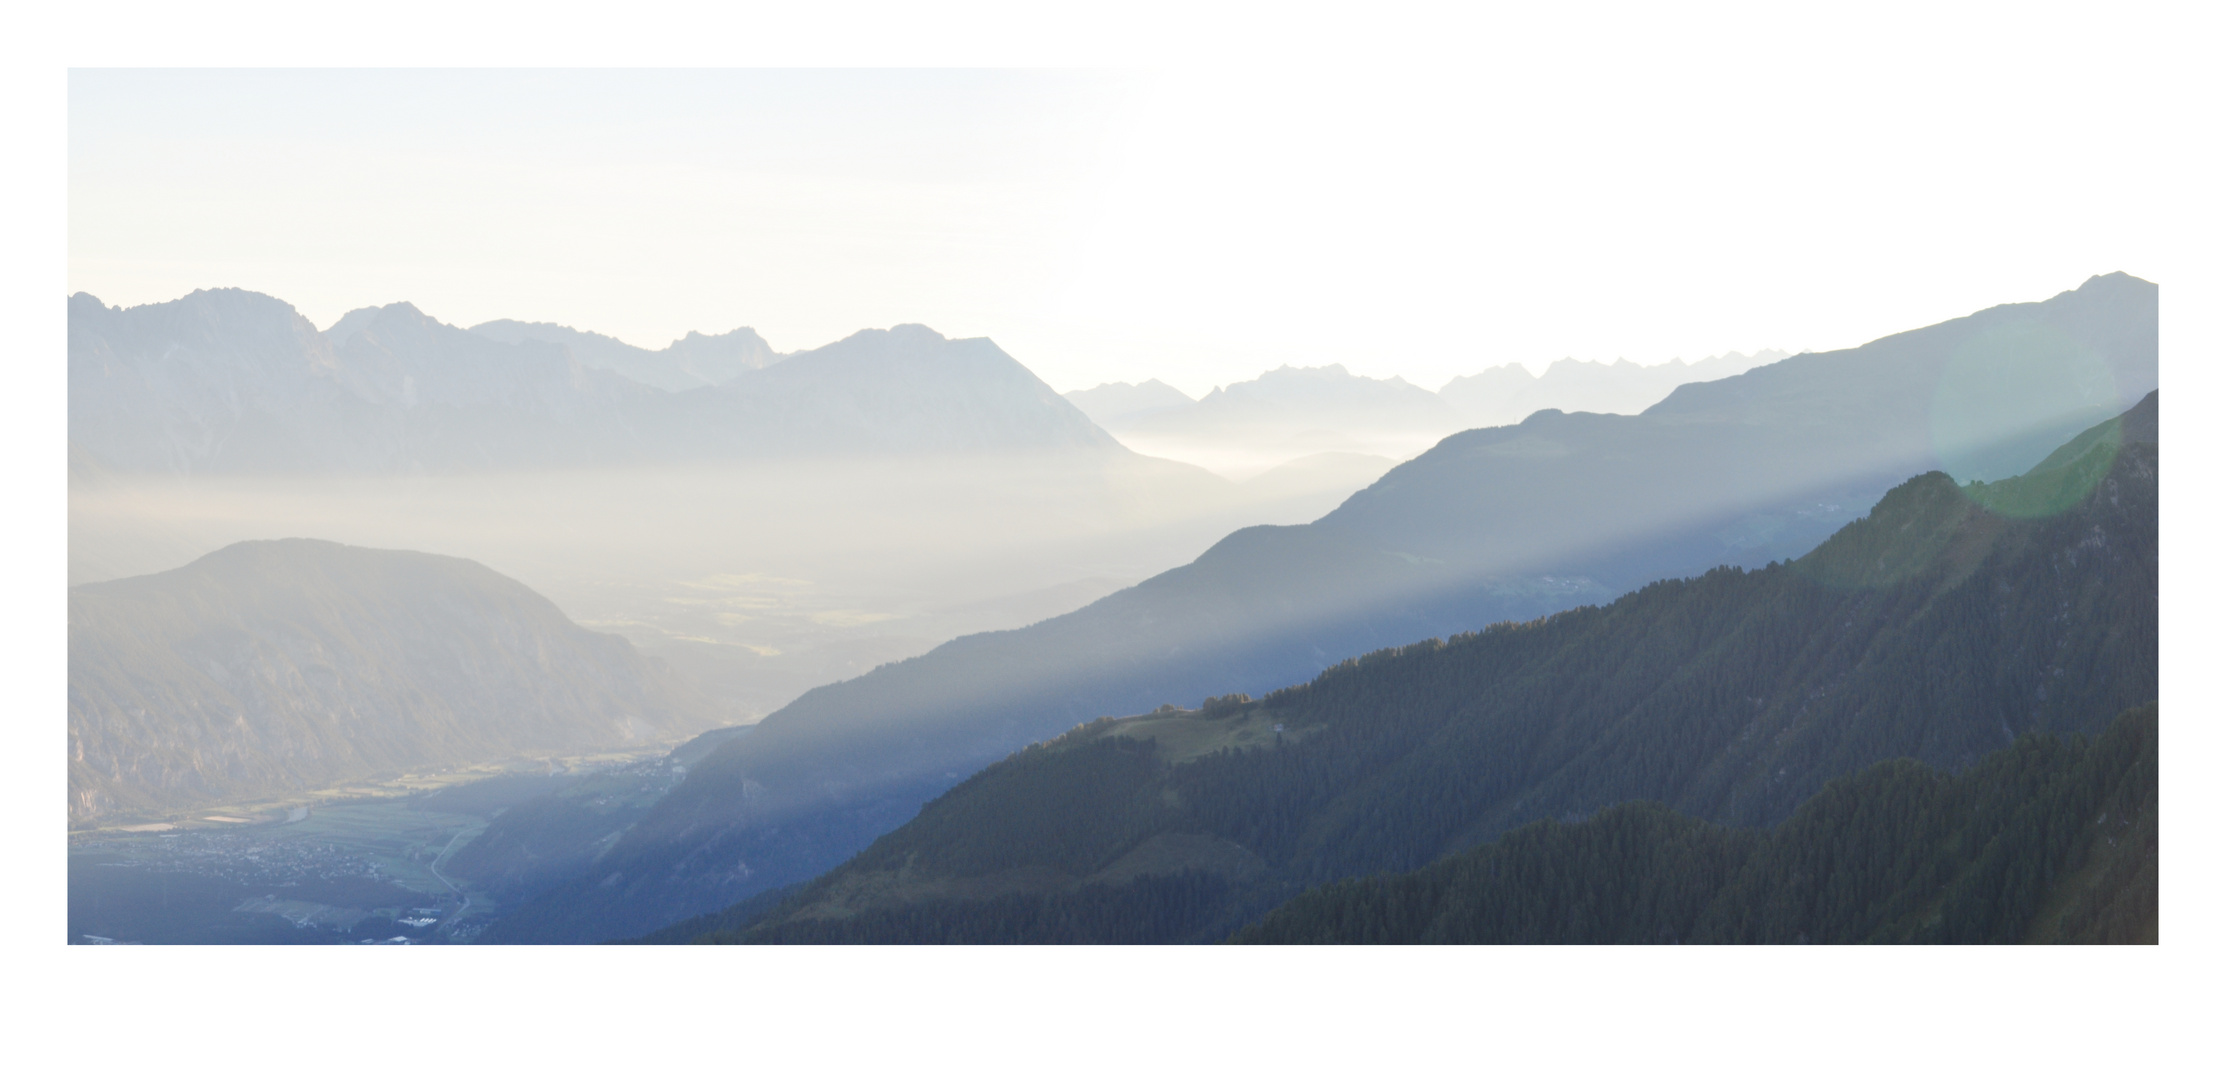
(761, 580)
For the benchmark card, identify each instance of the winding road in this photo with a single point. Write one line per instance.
(435, 867)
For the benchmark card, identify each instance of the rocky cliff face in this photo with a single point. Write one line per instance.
(284, 665)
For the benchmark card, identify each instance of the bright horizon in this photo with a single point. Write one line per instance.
(1108, 226)
(1535, 367)
(1197, 193)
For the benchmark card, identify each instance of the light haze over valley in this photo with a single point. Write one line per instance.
(1081, 506)
(767, 534)
(772, 524)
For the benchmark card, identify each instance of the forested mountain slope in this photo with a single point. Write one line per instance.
(283, 665)
(2047, 841)
(1490, 525)
(1941, 627)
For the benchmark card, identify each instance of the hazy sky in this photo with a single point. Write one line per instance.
(1195, 225)
(1414, 189)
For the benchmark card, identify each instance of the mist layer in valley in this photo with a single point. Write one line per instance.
(763, 580)
(822, 539)
(1502, 524)
(756, 524)
(1298, 421)
(765, 522)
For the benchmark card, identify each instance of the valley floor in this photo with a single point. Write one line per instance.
(362, 864)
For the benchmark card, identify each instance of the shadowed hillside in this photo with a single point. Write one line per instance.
(1490, 525)
(2047, 841)
(283, 665)
(1935, 628)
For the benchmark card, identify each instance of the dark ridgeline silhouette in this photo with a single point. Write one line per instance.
(1495, 524)
(1988, 629)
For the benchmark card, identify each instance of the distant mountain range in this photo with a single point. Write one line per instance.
(228, 381)
(1109, 404)
(1497, 524)
(1290, 412)
(1508, 393)
(693, 361)
(1248, 427)
(281, 666)
(1953, 625)
(225, 381)
(907, 389)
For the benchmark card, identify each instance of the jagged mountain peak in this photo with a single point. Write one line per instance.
(740, 334)
(348, 326)
(2116, 279)
(513, 330)
(1288, 380)
(233, 381)
(690, 362)
(876, 341)
(232, 308)
(905, 345)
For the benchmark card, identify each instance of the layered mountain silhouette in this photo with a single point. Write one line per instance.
(1508, 393)
(228, 381)
(1247, 427)
(692, 361)
(907, 389)
(280, 666)
(231, 381)
(1966, 627)
(1108, 404)
(1293, 412)
(1497, 524)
